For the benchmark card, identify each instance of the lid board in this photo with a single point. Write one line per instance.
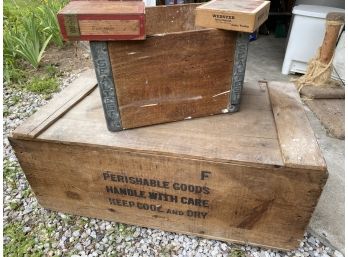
(271, 128)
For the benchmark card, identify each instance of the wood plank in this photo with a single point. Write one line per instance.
(331, 114)
(170, 18)
(255, 96)
(202, 60)
(268, 207)
(247, 136)
(315, 92)
(58, 106)
(297, 141)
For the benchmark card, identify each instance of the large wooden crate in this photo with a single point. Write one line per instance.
(179, 72)
(252, 177)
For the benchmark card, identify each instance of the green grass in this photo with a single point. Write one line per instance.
(15, 205)
(29, 243)
(19, 244)
(235, 252)
(125, 231)
(43, 85)
(6, 112)
(10, 171)
(52, 71)
(14, 100)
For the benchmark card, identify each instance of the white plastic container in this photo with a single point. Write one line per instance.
(306, 36)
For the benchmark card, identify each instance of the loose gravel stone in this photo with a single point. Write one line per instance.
(76, 233)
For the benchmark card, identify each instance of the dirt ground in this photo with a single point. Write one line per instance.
(68, 59)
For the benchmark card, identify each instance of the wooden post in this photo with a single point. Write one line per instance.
(334, 22)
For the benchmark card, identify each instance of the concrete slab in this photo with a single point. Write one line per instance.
(265, 60)
(328, 219)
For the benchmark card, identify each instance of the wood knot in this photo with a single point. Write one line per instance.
(73, 195)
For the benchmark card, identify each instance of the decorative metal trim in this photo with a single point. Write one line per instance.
(103, 70)
(71, 25)
(240, 58)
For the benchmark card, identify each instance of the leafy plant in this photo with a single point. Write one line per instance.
(32, 44)
(47, 14)
(12, 73)
(10, 171)
(43, 85)
(29, 27)
(52, 71)
(10, 32)
(235, 252)
(6, 112)
(19, 243)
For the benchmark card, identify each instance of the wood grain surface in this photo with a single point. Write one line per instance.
(102, 21)
(266, 207)
(109, 27)
(327, 92)
(248, 136)
(58, 106)
(297, 141)
(228, 177)
(103, 7)
(170, 18)
(243, 16)
(172, 77)
(246, 6)
(331, 114)
(334, 23)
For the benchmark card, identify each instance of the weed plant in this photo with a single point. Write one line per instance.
(29, 27)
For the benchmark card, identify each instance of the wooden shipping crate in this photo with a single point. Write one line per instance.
(237, 15)
(252, 177)
(179, 72)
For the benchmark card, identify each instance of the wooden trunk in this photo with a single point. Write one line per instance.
(252, 177)
(179, 72)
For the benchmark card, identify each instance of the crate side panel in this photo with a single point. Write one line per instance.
(172, 77)
(170, 18)
(269, 207)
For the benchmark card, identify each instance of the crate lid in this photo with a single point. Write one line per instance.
(271, 128)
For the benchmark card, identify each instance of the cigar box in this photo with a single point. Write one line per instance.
(236, 15)
(102, 20)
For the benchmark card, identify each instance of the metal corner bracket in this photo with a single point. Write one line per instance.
(103, 70)
(239, 65)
